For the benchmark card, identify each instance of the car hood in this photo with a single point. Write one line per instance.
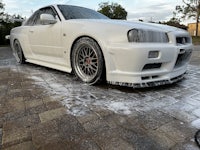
(127, 24)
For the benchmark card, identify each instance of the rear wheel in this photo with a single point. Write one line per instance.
(87, 61)
(18, 52)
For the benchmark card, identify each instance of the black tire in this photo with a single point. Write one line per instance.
(87, 61)
(197, 138)
(18, 52)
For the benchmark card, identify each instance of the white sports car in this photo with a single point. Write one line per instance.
(96, 48)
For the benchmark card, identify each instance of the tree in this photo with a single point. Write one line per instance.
(113, 10)
(174, 21)
(171, 22)
(1, 10)
(7, 22)
(190, 9)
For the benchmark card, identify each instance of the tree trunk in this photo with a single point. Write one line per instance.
(197, 19)
(197, 26)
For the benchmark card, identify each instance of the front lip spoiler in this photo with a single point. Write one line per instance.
(149, 84)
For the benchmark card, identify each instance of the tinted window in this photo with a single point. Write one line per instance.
(32, 19)
(75, 12)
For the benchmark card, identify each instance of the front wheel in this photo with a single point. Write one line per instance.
(87, 61)
(18, 53)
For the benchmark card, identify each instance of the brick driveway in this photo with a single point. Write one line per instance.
(41, 108)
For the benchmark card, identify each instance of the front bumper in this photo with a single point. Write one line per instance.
(130, 65)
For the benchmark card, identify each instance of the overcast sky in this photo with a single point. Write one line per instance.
(148, 10)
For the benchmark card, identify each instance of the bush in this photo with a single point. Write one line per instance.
(196, 40)
(5, 29)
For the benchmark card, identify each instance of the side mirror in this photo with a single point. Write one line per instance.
(47, 19)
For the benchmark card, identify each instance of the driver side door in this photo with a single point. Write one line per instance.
(45, 39)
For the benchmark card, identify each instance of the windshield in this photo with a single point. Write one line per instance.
(75, 12)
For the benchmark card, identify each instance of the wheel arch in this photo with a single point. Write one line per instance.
(13, 48)
(14, 40)
(13, 43)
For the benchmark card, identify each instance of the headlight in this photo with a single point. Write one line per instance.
(140, 35)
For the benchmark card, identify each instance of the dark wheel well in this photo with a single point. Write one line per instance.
(21, 58)
(104, 64)
(80, 38)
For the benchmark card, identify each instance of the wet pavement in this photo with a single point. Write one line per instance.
(42, 108)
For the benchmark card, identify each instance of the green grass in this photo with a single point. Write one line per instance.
(196, 40)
